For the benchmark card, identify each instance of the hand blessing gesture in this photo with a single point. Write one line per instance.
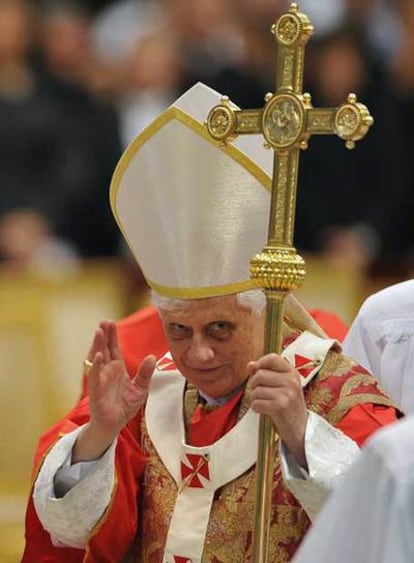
(114, 397)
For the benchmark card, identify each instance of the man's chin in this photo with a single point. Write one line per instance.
(213, 388)
(208, 375)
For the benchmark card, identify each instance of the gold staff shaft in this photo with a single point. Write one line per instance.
(278, 270)
(266, 448)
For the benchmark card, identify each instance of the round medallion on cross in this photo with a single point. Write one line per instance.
(283, 121)
(220, 121)
(288, 29)
(352, 121)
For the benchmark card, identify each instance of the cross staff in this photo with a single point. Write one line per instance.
(287, 121)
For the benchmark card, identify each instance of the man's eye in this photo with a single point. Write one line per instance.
(219, 329)
(179, 331)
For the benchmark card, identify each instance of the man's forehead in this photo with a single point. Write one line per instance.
(209, 309)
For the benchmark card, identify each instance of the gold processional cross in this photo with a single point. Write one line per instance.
(287, 121)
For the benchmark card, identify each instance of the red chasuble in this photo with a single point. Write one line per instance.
(140, 335)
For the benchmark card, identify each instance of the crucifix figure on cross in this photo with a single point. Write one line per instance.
(286, 121)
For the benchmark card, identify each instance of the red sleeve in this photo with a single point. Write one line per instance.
(38, 546)
(115, 533)
(365, 419)
(119, 524)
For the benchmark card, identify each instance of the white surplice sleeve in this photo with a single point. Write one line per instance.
(381, 339)
(329, 454)
(369, 517)
(71, 518)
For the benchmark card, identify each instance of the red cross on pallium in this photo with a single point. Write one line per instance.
(166, 364)
(304, 365)
(179, 559)
(193, 466)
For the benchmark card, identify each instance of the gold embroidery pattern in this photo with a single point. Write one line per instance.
(318, 398)
(157, 505)
(339, 386)
(353, 383)
(335, 365)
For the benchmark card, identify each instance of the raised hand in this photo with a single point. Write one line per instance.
(277, 392)
(114, 397)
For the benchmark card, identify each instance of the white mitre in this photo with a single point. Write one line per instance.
(193, 212)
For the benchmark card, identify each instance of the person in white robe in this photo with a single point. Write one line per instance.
(370, 517)
(381, 339)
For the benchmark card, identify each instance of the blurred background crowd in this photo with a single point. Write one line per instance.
(80, 78)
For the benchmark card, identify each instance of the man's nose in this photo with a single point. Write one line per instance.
(200, 351)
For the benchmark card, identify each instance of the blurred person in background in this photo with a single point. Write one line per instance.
(379, 22)
(344, 197)
(97, 5)
(400, 226)
(375, 19)
(247, 77)
(30, 147)
(118, 27)
(153, 80)
(88, 126)
(261, 13)
(27, 242)
(66, 44)
(208, 34)
(228, 45)
(58, 146)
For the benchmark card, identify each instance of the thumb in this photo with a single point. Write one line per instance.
(143, 376)
(251, 368)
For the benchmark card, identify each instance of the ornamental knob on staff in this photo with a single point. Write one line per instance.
(287, 121)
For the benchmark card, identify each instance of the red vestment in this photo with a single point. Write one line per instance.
(141, 334)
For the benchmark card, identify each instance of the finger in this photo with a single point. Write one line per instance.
(274, 362)
(267, 378)
(263, 406)
(94, 372)
(104, 325)
(264, 393)
(251, 368)
(113, 345)
(97, 345)
(144, 373)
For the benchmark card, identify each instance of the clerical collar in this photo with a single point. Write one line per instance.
(222, 400)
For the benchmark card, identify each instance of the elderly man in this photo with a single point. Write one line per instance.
(161, 467)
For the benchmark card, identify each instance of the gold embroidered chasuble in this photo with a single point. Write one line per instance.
(338, 386)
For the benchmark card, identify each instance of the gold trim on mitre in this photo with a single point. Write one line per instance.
(201, 292)
(235, 153)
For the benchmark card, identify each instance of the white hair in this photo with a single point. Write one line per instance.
(253, 299)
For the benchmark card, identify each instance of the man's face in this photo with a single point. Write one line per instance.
(212, 341)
